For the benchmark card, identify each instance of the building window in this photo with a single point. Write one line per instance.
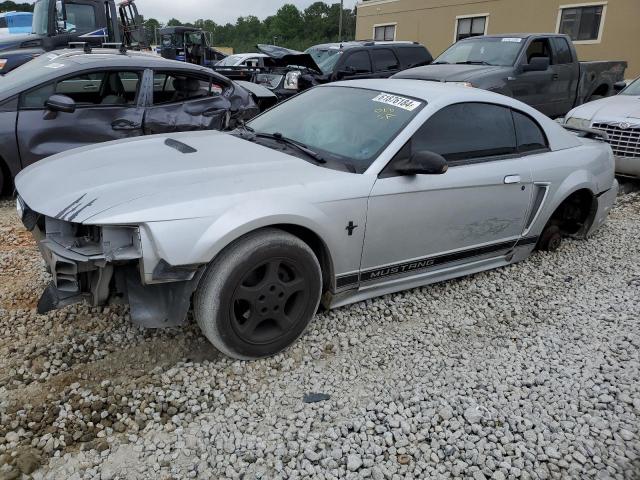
(386, 33)
(582, 23)
(470, 27)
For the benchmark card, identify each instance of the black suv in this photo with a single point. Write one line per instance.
(288, 72)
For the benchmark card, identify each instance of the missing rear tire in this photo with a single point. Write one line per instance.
(551, 239)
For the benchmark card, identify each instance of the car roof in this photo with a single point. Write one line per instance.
(363, 43)
(178, 29)
(422, 90)
(72, 58)
(516, 35)
(247, 55)
(58, 63)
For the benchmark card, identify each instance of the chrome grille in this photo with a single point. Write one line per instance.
(625, 142)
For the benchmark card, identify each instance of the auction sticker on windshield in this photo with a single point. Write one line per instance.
(400, 102)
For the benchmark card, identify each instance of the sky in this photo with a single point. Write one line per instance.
(220, 11)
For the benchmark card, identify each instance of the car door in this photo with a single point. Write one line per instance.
(385, 62)
(185, 101)
(535, 88)
(106, 109)
(476, 210)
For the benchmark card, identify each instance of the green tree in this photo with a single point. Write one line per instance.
(15, 7)
(151, 27)
(288, 27)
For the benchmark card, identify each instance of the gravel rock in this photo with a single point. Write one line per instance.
(525, 372)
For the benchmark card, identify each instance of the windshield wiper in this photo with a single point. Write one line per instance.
(474, 62)
(440, 63)
(278, 137)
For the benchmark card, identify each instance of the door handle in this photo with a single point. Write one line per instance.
(555, 76)
(89, 87)
(509, 179)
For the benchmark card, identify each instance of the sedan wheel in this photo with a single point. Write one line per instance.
(259, 295)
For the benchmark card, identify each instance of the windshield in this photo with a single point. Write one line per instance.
(41, 17)
(326, 58)
(483, 50)
(171, 41)
(347, 125)
(632, 89)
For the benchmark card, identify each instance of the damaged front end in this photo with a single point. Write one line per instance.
(102, 265)
(288, 72)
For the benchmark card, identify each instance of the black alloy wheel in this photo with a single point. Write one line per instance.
(269, 301)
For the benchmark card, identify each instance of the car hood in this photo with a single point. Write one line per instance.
(448, 73)
(284, 57)
(146, 180)
(611, 108)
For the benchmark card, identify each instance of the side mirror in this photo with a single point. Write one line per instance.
(619, 86)
(60, 103)
(537, 64)
(422, 163)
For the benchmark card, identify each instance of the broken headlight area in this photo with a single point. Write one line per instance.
(103, 265)
(269, 80)
(82, 260)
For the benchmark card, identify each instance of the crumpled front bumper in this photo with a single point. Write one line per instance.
(103, 265)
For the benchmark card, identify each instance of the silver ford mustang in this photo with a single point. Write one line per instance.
(345, 192)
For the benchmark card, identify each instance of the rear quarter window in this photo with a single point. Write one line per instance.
(413, 56)
(529, 134)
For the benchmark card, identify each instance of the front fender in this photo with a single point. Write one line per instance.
(199, 241)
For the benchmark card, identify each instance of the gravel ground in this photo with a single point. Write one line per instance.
(531, 371)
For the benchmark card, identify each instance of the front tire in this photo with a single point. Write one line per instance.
(258, 296)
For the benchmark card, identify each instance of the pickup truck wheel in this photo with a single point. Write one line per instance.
(259, 295)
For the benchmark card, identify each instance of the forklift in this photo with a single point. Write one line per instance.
(57, 23)
(188, 44)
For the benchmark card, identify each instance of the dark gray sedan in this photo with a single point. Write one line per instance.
(70, 98)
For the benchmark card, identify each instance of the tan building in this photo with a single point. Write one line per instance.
(602, 30)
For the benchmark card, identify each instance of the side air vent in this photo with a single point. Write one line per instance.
(540, 195)
(181, 147)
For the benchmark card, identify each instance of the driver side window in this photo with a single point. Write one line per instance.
(539, 48)
(465, 133)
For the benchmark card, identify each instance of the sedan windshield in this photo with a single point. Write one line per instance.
(342, 124)
(632, 89)
(483, 51)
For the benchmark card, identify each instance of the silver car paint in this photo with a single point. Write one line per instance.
(191, 206)
(617, 109)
